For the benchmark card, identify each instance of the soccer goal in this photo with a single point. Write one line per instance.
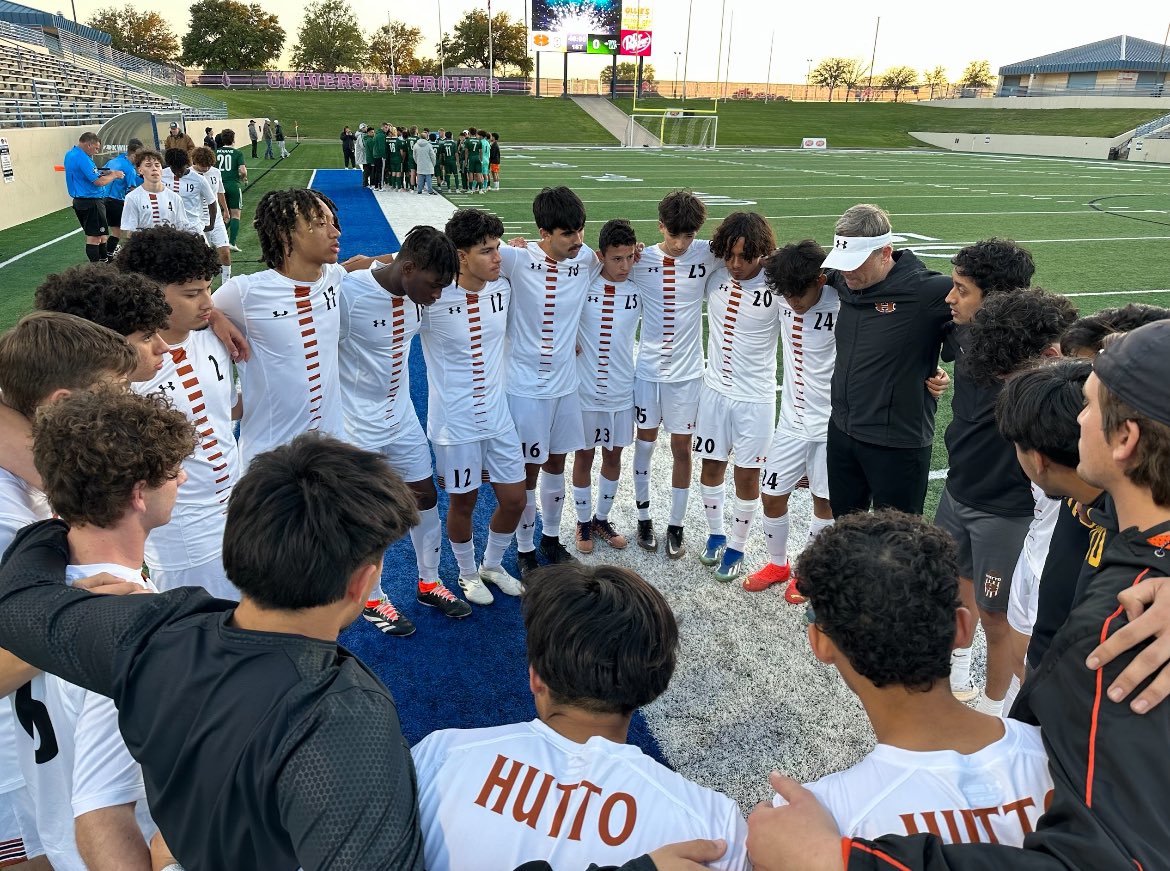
(672, 128)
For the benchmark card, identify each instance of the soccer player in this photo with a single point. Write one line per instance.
(111, 466)
(193, 189)
(43, 358)
(130, 305)
(86, 184)
(494, 161)
(808, 312)
(117, 190)
(485, 145)
(153, 204)
(566, 787)
(197, 379)
(394, 158)
(203, 160)
(463, 181)
(737, 403)
(378, 154)
(279, 133)
(470, 427)
(381, 309)
(550, 280)
(672, 279)
(409, 168)
(605, 375)
(447, 164)
(234, 172)
(1086, 336)
(232, 708)
(888, 623)
(471, 148)
(291, 317)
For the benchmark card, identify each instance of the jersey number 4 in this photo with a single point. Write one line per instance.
(34, 718)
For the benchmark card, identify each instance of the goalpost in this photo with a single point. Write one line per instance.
(672, 128)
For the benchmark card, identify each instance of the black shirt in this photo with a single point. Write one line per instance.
(984, 471)
(888, 339)
(494, 153)
(258, 750)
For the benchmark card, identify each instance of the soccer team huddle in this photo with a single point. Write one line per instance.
(403, 158)
(230, 731)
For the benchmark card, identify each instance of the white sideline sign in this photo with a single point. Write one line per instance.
(816, 143)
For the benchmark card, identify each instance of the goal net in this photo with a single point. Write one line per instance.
(671, 130)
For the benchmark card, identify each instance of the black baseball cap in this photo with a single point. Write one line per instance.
(1134, 368)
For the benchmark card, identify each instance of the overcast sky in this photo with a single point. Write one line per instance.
(950, 33)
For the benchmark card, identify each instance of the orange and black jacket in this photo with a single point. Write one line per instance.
(1111, 768)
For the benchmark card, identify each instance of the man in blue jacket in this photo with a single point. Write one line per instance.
(86, 183)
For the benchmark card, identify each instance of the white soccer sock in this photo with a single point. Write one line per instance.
(776, 538)
(743, 512)
(465, 555)
(552, 503)
(606, 490)
(583, 501)
(377, 596)
(427, 538)
(994, 707)
(960, 668)
(527, 528)
(1010, 698)
(225, 273)
(643, 451)
(678, 504)
(713, 507)
(497, 543)
(816, 525)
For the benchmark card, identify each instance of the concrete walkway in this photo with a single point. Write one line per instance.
(616, 121)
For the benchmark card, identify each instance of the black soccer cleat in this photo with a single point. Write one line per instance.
(646, 537)
(675, 547)
(554, 552)
(526, 561)
(387, 619)
(446, 601)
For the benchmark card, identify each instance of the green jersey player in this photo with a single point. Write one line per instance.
(230, 161)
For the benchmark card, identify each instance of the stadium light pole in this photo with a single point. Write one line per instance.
(491, 54)
(719, 56)
(674, 87)
(768, 85)
(390, 33)
(807, 79)
(687, 48)
(727, 64)
(443, 54)
(873, 57)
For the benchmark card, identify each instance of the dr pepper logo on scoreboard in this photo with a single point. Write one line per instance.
(636, 42)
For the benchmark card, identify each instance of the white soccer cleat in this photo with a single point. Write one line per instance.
(507, 584)
(475, 591)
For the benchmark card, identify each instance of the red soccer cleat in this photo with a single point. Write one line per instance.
(766, 577)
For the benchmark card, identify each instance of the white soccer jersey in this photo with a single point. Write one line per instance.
(195, 192)
(75, 761)
(497, 797)
(197, 378)
(20, 505)
(374, 357)
(993, 796)
(809, 354)
(605, 343)
(214, 179)
(670, 345)
(743, 327)
(1040, 532)
(463, 338)
(291, 384)
(542, 322)
(143, 209)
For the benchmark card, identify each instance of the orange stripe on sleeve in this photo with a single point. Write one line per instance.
(873, 851)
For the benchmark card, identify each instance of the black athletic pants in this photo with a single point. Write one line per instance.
(376, 173)
(862, 475)
(254, 144)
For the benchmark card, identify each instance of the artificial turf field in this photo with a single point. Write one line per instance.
(746, 696)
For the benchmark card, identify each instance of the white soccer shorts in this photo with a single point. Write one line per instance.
(547, 426)
(608, 429)
(217, 236)
(734, 427)
(674, 405)
(790, 458)
(409, 454)
(18, 825)
(1023, 598)
(210, 576)
(462, 468)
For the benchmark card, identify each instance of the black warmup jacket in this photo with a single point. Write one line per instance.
(888, 340)
(1110, 767)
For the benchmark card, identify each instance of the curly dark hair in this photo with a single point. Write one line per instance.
(995, 265)
(758, 239)
(123, 301)
(92, 447)
(177, 160)
(203, 156)
(682, 212)
(227, 137)
(616, 232)
(793, 269)
(429, 248)
(558, 209)
(1087, 334)
(884, 588)
(469, 227)
(276, 219)
(1037, 409)
(601, 637)
(168, 256)
(1011, 329)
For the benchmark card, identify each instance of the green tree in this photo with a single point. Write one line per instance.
(977, 75)
(329, 38)
(393, 48)
(627, 71)
(833, 72)
(228, 35)
(468, 43)
(898, 79)
(852, 74)
(142, 34)
(935, 78)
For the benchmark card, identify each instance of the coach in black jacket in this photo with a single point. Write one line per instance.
(889, 333)
(1110, 768)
